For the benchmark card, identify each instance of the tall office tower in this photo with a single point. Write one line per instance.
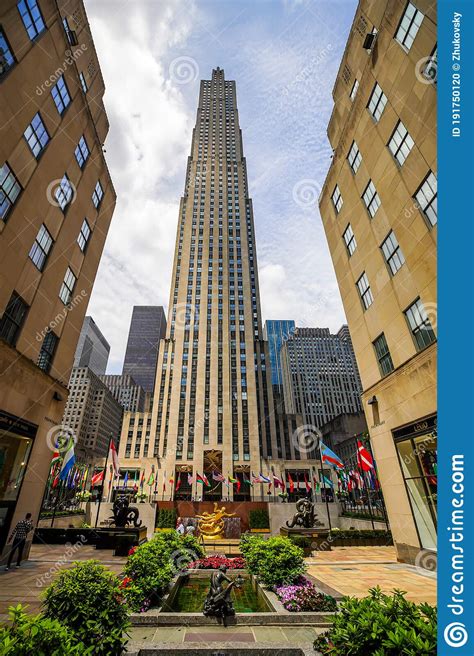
(92, 348)
(126, 391)
(93, 414)
(379, 212)
(213, 403)
(56, 204)
(276, 332)
(320, 375)
(147, 328)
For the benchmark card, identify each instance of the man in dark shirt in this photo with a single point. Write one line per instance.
(19, 535)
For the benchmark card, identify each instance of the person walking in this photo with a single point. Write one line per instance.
(19, 535)
(180, 526)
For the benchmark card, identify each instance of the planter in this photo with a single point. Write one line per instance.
(259, 530)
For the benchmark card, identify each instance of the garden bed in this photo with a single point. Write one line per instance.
(360, 538)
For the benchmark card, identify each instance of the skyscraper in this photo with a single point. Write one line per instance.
(147, 328)
(379, 210)
(213, 402)
(276, 332)
(92, 348)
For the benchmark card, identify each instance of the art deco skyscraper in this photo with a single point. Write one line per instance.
(213, 402)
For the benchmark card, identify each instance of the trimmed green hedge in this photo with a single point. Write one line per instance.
(47, 514)
(166, 518)
(259, 518)
(360, 534)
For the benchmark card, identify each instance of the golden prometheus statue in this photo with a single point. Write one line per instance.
(211, 525)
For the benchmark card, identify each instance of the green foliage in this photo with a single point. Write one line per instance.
(381, 625)
(301, 541)
(259, 518)
(152, 565)
(357, 534)
(166, 518)
(47, 514)
(88, 600)
(28, 634)
(275, 561)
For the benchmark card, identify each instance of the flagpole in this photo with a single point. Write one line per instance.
(103, 482)
(359, 466)
(323, 481)
(56, 503)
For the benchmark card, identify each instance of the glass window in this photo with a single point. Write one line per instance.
(377, 102)
(400, 143)
(31, 16)
(337, 199)
(61, 95)
(64, 193)
(97, 194)
(371, 199)
(409, 26)
(46, 354)
(84, 235)
(14, 453)
(83, 82)
(41, 247)
(6, 56)
(427, 198)
(9, 190)
(420, 325)
(82, 152)
(350, 240)
(354, 89)
(393, 253)
(67, 287)
(354, 158)
(383, 355)
(13, 319)
(365, 291)
(36, 135)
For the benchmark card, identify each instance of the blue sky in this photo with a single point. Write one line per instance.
(284, 56)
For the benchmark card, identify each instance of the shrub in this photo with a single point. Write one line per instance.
(214, 562)
(152, 565)
(28, 634)
(382, 625)
(87, 599)
(259, 518)
(276, 561)
(166, 518)
(304, 596)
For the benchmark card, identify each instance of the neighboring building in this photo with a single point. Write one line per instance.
(56, 204)
(93, 414)
(92, 348)
(378, 207)
(341, 435)
(147, 328)
(126, 391)
(320, 376)
(276, 333)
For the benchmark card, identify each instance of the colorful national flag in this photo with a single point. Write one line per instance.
(217, 476)
(307, 483)
(330, 457)
(125, 479)
(178, 482)
(327, 481)
(264, 479)
(190, 479)
(114, 458)
(151, 479)
(290, 481)
(97, 478)
(278, 482)
(142, 480)
(68, 463)
(364, 458)
(247, 481)
(202, 479)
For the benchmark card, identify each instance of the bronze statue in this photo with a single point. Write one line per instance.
(217, 602)
(124, 514)
(211, 525)
(305, 516)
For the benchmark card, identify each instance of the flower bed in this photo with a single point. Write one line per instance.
(214, 562)
(303, 595)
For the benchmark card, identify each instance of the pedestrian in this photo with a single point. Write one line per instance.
(190, 529)
(19, 535)
(180, 526)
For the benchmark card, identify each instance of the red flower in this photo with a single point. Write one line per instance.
(132, 551)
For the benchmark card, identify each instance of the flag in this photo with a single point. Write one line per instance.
(178, 482)
(247, 481)
(114, 458)
(125, 479)
(255, 479)
(364, 458)
(327, 481)
(278, 482)
(142, 480)
(97, 478)
(308, 485)
(56, 456)
(190, 479)
(330, 457)
(151, 479)
(290, 481)
(202, 479)
(232, 480)
(217, 476)
(171, 480)
(238, 485)
(68, 463)
(264, 479)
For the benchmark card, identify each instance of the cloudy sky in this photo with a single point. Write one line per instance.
(284, 56)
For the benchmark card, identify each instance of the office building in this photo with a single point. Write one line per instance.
(379, 210)
(147, 328)
(126, 391)
(92, 348)
(276, 332)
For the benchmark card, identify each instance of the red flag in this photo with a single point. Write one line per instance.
(308, 485)
(114, 457)
(178, 482)
(290, 481)
(364, 458)
(97, 478)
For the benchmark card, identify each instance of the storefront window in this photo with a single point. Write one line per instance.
(14, 452)
(418, 459)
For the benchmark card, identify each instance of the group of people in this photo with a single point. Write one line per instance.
(190, 529)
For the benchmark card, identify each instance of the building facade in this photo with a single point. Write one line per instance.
(147, 328)
(276, 332)
(320, 375)
(92, 348)
(126, 391)
(341, 435)
(378, 207)
(92, 414)
(56, 204)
